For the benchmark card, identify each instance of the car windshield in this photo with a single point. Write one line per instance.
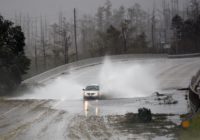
(92, 88)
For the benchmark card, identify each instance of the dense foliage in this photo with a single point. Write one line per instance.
(13, 62)
(186, 34)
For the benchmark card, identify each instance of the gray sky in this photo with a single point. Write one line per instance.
(51, 8)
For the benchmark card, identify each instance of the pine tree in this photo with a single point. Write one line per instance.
(100, 18)
(114, 42)
(13, 62)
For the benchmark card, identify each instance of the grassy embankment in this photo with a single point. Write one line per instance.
(193, 132)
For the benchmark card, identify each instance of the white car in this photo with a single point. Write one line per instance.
(91, 92)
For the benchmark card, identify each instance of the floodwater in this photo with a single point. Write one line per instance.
(96, 119)
(53, 107)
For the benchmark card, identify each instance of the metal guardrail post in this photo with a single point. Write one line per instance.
(194, 94)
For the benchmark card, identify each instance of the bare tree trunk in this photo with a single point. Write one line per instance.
(54, 44)
(165, 20)
(28, 30)
(35, 47)
(153, 28)
(124, 38)
(175, 7)
(43, 43)
(75, 36)
(60, 30)
(66, 50)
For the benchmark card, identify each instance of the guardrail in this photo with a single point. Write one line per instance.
(184, 55)
(85, 63)
(194, 94)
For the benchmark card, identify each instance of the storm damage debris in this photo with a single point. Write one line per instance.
(165, 99)
(130, 124)
(144, 116)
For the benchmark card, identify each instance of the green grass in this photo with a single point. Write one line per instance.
(193, 132)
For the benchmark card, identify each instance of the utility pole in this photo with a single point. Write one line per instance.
(35, 47)
(65, 41)
(75, 35)
(153, 27)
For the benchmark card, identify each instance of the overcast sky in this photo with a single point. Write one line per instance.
(51, 8)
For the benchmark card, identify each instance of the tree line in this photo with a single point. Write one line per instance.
(186, 32)
(109, 31)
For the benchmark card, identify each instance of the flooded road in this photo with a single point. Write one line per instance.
(77, 119)
(52, 108)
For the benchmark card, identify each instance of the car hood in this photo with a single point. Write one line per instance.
(91, 91)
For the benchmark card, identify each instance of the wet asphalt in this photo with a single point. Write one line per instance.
(24, 117)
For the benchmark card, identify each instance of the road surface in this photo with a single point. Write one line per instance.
(52, 107)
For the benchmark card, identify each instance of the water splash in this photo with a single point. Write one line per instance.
(125, 79)
(60, 88)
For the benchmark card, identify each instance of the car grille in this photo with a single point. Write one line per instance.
(90, 94)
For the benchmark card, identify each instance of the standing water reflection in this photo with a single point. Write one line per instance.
(91, 108)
